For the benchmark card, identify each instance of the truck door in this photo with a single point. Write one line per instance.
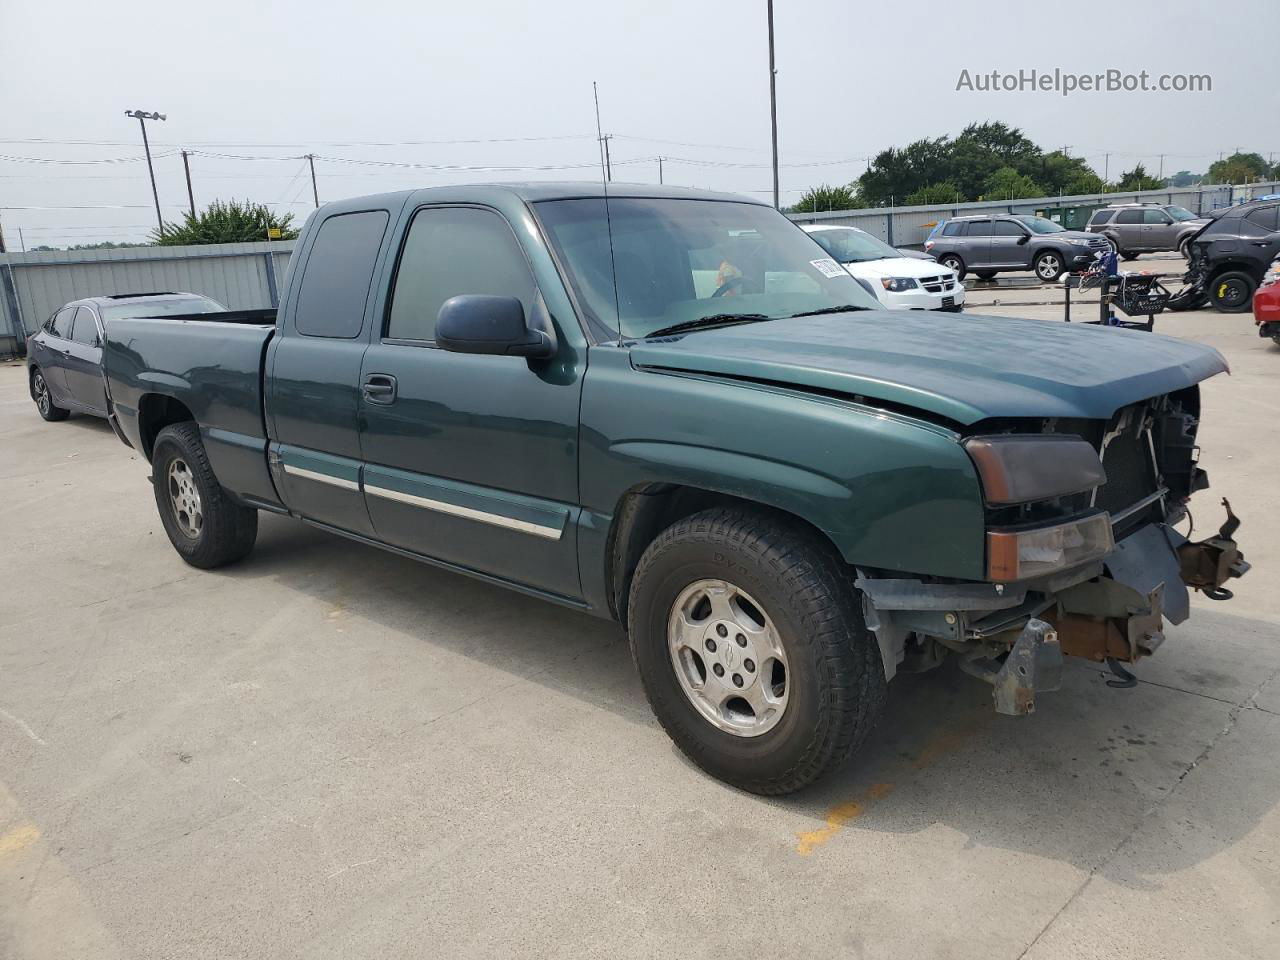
(313, 367)
(470, 459)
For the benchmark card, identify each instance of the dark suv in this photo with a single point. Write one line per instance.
(64, 357)
(989, 244)
(1230, 256)
(1137, 228)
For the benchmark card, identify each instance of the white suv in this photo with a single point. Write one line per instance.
(898, 282)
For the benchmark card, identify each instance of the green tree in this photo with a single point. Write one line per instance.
(1183, 178)
(1008, 184)
(935, 193)
(1239, 168)
(1137, 179)
(229, 222)
(826, 197)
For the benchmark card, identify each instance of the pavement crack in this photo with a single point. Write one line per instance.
(1232, 717)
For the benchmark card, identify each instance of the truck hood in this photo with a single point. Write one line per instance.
(964, 367)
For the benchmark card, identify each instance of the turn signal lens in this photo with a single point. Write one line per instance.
(1023, 554)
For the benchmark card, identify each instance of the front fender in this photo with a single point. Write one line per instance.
(889, 490)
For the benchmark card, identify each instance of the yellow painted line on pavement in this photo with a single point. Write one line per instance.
(837, 817)
(19, 838)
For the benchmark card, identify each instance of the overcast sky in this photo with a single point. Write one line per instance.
(686, 80)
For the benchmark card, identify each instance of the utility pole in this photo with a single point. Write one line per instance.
(142, 117)
(608, 166)
(191, 197)
(22, 242)
(773, 106)
(1106, 170)
(659, 170)
(1160, 176)
(315, 194)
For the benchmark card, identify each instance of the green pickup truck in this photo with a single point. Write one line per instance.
(670, 408)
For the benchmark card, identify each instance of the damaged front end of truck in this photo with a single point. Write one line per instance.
(1082, 555)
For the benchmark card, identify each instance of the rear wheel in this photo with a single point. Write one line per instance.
(1126, 255)
(952, 262)
(751, 646)
(1048, 266)
(1231, 292)
(205, 526)
(44, 399)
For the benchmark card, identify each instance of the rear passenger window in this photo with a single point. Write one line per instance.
(86, 329)
(449, 252)
(1129, 216)
(339, 271)
(979, 228)
(1265, 217)
(1102, 216)
(61, 326)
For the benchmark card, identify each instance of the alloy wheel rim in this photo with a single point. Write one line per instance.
(42, 395)
(1049, 267)
(184, 496)
(728, 658)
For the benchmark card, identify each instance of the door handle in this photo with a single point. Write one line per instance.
(379, 388)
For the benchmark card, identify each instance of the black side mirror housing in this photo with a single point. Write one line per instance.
(1025, 238)
(491, 325)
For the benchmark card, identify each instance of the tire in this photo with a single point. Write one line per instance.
(205, 526)
(1048, 266)
(1184, 249)
(952, 262)
(39, 388)
(984, 274)
(1126, 255)
(1188, 298)
(1232, 291)
(781, 574)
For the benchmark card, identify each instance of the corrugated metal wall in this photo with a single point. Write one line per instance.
(34, 285)
(909, 226)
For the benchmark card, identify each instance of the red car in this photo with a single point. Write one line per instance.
(1266, 304)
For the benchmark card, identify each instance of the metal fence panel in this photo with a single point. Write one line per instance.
(34, 285)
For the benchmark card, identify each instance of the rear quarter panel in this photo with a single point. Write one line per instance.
(212, 369)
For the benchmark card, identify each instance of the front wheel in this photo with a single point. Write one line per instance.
(1231, 292)
(44, 399)
(752, 649)
(205, 526)
(952, 262)
(1048, 266)
(986, 274)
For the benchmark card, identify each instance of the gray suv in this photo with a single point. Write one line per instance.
(1137, 228)
(988, 244)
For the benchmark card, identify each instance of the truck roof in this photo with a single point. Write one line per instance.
(532, 192)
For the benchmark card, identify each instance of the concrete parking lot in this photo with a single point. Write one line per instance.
(330, 751)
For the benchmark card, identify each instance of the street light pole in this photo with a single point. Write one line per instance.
(142, 117)
(773, 106)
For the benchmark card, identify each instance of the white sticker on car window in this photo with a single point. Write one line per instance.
(828, 267)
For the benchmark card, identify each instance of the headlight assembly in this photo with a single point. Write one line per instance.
(898, 284)
(1020, 468)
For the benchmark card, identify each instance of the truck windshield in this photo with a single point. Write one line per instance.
(162, 308)
(677, 261)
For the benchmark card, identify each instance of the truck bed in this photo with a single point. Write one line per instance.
(211, 365)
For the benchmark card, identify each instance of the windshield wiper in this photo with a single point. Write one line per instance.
(843, 308)
(715, 320)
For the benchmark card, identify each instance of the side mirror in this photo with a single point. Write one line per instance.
(490, 325)
(1025, 238)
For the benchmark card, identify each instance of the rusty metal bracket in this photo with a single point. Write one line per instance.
(1034, 665)
(1209, 563)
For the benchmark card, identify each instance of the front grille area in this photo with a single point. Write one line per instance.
(1131, 475)
(939, 284)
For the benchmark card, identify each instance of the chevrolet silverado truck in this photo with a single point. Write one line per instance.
(671, 408)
